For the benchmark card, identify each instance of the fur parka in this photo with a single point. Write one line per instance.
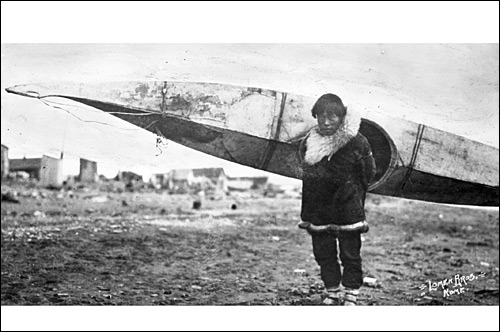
(337, 171)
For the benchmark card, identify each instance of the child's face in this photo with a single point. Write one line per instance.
(328, 123)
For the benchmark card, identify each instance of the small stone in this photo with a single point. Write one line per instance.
(99, 199)
(370, 282)
(38, 214)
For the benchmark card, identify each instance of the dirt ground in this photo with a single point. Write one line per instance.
(94, 247)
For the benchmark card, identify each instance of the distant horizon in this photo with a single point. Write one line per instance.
(72, 168)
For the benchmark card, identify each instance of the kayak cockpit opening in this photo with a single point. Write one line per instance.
(383, 148)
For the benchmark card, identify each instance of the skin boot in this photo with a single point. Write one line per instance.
(350, 298)
(333, 296)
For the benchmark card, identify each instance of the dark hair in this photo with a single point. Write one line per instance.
(329, 103)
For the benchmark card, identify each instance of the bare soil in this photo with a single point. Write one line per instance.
(95, 247)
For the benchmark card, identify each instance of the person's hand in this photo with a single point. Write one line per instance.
(304, 225)
(364, 229)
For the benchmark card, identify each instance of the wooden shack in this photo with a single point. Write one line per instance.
(88, 171)
(5, 161)
(47, 170)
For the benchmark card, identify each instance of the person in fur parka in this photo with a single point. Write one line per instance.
(338, 167)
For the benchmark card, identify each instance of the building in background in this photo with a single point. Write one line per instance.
(159, 180)
(88, 171)
(31, 166)
(210, 178)
(126, 176)
(179, 180)
(51, 172)
(47, 170)
(191, 180)
(5, 161)
(246, 183)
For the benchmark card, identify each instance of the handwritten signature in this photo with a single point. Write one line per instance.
(451, 286)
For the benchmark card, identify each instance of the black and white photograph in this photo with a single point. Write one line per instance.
(170, 174)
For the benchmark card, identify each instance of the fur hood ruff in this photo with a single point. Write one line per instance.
(319, 146)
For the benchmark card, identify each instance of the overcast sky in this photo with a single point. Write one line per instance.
(449, 86)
